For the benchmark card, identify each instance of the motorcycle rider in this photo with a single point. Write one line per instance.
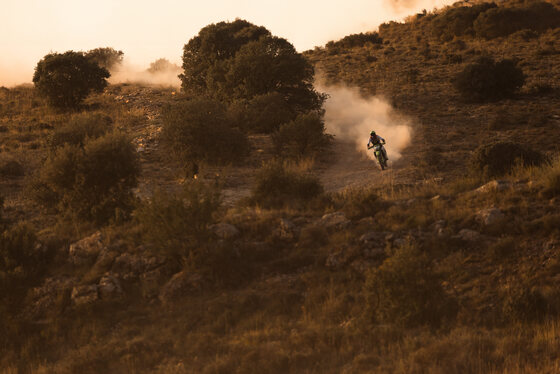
(375, 139)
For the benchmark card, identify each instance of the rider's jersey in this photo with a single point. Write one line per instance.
(373, 140)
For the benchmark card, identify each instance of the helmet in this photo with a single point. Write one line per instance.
(372, 133)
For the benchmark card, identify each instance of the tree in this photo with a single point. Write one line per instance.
(199, 130)
(163, 65)
(67, 79)
(238, 60)
(107, 58)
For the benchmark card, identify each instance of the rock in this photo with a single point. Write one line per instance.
(224, 230)
(490, 216)
(375, 253)
(366, 221)
(133, 265)
(180, 285)
(286, 229)
(494, 185)
(109, 287)
(468, 235)
(86, 250)
(336, 260)
(335, 220)
(49, 296)
(82, 295)
(374, 237)
(440, 227)
(151, 281)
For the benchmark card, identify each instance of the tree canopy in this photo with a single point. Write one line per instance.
(67, 79)
(238, 60)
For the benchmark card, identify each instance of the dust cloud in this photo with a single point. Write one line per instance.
(351, 117)
(130, 73)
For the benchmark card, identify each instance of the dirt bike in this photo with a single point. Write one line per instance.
(379, 155)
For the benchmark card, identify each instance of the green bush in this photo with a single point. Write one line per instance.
(537, 16)
(178, 223)
(11, 168)
(406, 291)
(163, 65)
(304, 136)
(486, 80)
(92, 183)
(278, 184)
(200, 130)
(107, 57)
(20, 260)
(524, 304)
(262, 114)
(499, 158)
(355, 40)
(79, 128)
(458, 21)
(67, 79)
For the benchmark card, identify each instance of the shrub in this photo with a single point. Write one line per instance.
(406, 291)
(458, 21)
(178, 223)
(200, 130)
(304, 136)
(262, 114)
(107, 57)
(355, 40)
(11, 168)
(67, 79)
(20, 260)
(523, 304)
(93, 183)
(278, 184)
(486, 79)
(499, 158)
(79, 128)
(537, 16)
(551, 177)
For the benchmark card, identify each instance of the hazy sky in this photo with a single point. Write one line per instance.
(148, 30)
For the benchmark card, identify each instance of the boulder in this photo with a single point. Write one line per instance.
(335, 220)
(490, 216)
(87, 249)
(180, 285)
(224, 230)
(49, 297)
(109, 287)
(494, 185)
(82, 295)
(468, 235)
(133, 265)
(285, 230)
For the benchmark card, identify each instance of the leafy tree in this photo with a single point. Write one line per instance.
(458, 21)
(487, 79)
(238, 60)
(107, 58)
(200, 130)
(162, 65)
(537, 16)
(67, 79)
(262, 114)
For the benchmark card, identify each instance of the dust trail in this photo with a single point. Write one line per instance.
(130, 73)
(351, 117)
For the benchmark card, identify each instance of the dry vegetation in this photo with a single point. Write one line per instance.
(459, 274)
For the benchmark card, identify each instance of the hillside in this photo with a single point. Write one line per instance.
(435, 265)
